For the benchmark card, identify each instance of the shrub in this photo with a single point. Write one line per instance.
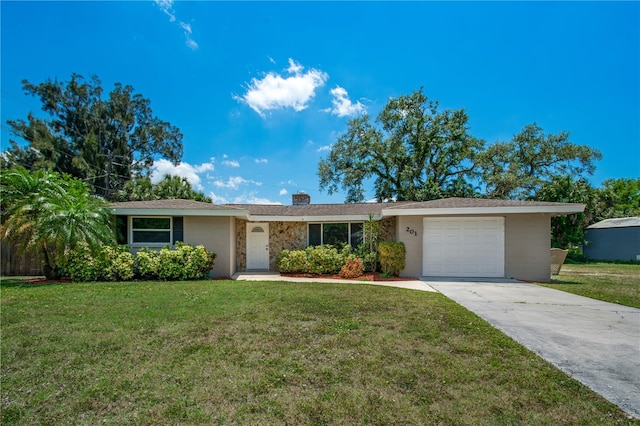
(292, 261)
(369, 258)
(118, 264)
(112, 264)
(392, 257)
(147, 263)
(185, 262)
(324, 259)
(353, 267)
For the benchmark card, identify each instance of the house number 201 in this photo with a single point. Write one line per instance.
(412, 231)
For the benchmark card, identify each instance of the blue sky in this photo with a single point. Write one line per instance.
(261, 90)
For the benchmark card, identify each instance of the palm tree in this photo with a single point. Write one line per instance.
(53, 215)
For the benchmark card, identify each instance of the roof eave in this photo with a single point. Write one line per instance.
(176, 212)
(461, 211)
(312, 218)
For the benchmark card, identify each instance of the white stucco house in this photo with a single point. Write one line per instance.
(452, 237)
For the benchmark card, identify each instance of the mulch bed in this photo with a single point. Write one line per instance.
(365, 277)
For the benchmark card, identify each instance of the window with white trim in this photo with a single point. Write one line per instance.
(151, 230)
(336, 233)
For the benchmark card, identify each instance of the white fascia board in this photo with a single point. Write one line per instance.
(324, 219)
(462, 211)
(178, 212)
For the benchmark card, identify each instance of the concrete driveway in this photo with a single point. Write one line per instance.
(597, 343)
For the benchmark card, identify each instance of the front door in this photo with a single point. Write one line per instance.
(257, 246)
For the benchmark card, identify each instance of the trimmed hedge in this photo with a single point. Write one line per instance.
(324, 259)
(392, 257)
(185, 262)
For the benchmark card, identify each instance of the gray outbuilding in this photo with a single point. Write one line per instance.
(613, 239)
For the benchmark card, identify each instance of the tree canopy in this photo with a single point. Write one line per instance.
(413, 151)
(416, 151)
(170, 187)
(519, 168)
(103, 141)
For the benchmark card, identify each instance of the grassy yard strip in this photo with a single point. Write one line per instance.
(229, 352)
(617, 283)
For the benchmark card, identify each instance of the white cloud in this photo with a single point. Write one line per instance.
(283, 192)
(231, 163)
(252, 199)
(262, 160)
(277, 92)
(324, 148)
(166, 6)
(165, 167)
(216, 199)
(342, 105)
(234, 182)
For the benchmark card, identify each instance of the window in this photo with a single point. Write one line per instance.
(335, 234)
(151, 230)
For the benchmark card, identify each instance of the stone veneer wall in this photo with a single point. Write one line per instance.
(282, 235)
(285, 235)
(388, 229)
(290, 236)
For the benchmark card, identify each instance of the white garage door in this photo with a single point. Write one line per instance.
(463, 247)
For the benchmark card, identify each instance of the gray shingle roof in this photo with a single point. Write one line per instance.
(361, 210)
(622, 222)
(314, 209)
(455, 203)
(177, 204)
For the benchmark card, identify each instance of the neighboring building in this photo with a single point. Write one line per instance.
(453, 237)
(613, 239)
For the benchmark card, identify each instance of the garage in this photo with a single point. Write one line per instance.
(463, 247)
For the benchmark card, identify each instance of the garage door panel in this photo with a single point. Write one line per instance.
(471, 247)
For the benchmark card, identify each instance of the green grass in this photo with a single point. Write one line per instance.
(617, 283)
(225, 352)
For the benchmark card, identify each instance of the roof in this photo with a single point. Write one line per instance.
(622, 222)
(343, 212)
(310, 212)
(175, 207)
(462, 206)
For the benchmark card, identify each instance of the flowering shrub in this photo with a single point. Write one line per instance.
(353, 267)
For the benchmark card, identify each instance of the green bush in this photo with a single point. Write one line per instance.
(353, 267)
(112, 264)
(147, 263)
(392, 257)
(324, 259)
(369, 258)
(183, 263)
(292, 262)
(118, 264)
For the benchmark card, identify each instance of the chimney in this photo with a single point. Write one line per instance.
(301, 199)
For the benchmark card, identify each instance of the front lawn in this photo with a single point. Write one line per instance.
(225, 352)
(617, 283)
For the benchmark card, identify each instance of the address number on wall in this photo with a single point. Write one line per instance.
(412, 231)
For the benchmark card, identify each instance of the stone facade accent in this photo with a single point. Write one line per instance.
(282, 235)
(285, 235)
(241, 245)
(388, 229)
(290, 236)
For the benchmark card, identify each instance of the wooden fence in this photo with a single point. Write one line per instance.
(14, 264)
